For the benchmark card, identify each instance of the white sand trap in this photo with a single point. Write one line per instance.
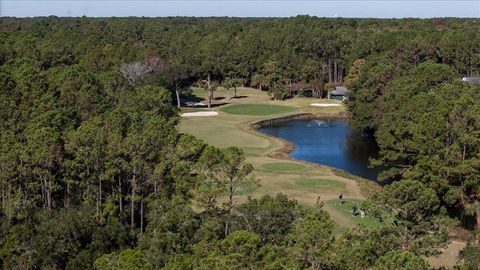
(326, 105)
(191, 114)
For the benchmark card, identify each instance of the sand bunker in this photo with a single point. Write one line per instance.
(191, 114)
(325, 105)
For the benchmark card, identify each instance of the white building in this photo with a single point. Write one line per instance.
(474, 80)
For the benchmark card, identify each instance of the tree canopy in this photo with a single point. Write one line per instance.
(93, 172)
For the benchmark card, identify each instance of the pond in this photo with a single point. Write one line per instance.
(332, 143)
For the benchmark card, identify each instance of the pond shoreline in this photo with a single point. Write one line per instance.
(298, 116)
(287, 147)
(366, 186)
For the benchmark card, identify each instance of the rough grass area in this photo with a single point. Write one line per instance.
(258, 109)
(283, 166)
(320, 184)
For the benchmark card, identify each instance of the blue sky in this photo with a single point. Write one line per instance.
(245, 8)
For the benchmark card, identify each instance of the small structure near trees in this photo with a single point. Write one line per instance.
(340, 93)
(473, 80)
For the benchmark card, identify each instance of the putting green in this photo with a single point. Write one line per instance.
(320, 184)
(283, 166)
(257, 109)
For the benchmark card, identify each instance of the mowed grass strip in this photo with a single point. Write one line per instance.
(323, 184)
(283, 166)
(257, 109)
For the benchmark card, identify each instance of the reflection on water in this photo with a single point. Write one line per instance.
(332, 143)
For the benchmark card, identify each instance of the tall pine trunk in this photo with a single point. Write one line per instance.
(3, 198)
(66, 199)
(209, 99)
(49, 193)
(120, 201)
(132, 200)
(231, 192)
(178, 97)
(141, 215)
(330, 79)
(99, 199)
(209, 90)
(335, 71)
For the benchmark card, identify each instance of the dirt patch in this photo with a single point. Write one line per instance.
(449, 255)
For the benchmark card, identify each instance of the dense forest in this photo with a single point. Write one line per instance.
(94, 175)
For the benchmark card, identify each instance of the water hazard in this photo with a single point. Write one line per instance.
(331, 143)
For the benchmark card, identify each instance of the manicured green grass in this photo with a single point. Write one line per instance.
(346, 210)
(257, 109)
(283, 166)
(223, 131)
(199, 92)
(320, 184)
(315, 185)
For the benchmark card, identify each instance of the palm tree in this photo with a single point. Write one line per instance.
(474, 210)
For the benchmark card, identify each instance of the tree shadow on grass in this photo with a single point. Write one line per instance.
(238, 97)
(192, 98)
(219, 104)
(203, 105)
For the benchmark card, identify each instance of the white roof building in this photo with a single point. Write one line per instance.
(474, 80)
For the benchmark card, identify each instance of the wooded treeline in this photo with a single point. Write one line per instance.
(94, 174)
(262, 52)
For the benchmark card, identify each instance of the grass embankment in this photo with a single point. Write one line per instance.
(302, 181)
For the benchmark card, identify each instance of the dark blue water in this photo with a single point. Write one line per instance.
(331, 143)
